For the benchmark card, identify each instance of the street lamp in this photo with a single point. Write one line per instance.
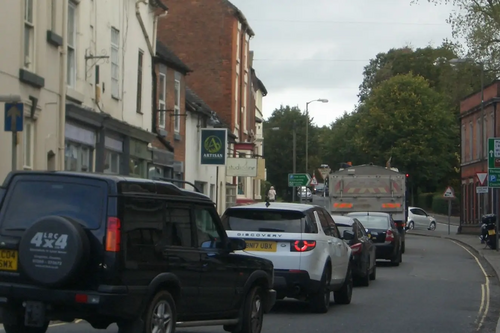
(322, 100)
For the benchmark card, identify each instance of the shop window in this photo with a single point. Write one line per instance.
(155, 172)
(113, 151)
(77, 157)
(136, 166)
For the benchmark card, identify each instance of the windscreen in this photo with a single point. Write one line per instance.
(265, 220)
(31, 200)
(373, 222)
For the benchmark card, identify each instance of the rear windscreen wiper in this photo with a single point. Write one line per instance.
(271, 229)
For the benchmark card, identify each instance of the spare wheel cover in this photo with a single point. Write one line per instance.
(53, 250)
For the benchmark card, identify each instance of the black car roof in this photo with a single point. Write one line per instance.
(343, 220)
(276, 206)
(119, 184)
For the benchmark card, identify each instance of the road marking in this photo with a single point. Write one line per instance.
(485, 296)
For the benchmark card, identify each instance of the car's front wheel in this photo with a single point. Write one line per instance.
(432, 226)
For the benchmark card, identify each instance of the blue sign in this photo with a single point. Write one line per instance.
(14, 116)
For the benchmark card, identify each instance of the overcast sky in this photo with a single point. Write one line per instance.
(305, 50)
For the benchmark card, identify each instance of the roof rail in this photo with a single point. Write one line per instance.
(174, 181)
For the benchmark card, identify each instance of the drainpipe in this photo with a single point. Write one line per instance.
(143, 27)
(155, 24)
(63, 87)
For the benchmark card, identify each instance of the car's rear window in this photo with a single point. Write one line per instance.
(267, 220)
(31, 200)
(373, 222)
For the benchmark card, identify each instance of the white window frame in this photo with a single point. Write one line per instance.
(478, 138)
(463, 142)
(29, 35)
(177, 107)
(471, 140)
(28, 144)
(162, 105)
(71, 65)
(115, 63)
(140, 75)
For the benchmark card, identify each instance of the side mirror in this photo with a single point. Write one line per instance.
(348, 235)
(237, 244)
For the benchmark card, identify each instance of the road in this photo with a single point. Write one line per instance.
(437, 288)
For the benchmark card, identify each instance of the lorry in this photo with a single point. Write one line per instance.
(369, 188)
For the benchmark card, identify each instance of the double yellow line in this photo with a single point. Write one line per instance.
(485, 291)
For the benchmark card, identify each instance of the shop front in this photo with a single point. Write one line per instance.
(97, 142)
(162, 165)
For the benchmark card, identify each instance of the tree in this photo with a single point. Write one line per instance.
(478, 23)
(278, 147)
(404, 118)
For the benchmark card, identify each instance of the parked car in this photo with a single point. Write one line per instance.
(303, 242)
(364, 266)
(145, 254)
(384, 233)
(305, 194)
(418, 218)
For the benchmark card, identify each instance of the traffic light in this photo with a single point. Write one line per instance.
(407, 175)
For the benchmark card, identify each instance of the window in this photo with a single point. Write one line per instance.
(29, 35)
(485, 136)
(492, 125)
(178, 227)
(236, 98)
(77, 157)
(140, 59)
(177, 107)
(71, 65)
(137, 167)
(162, 87)
(31, 199)
(115, 63)
(208, 234)
(471, 140)
(114, 148)
(143, 221)
(463, 143)
(331, 223)
(478, 139)
(28, 144)
(200, 186)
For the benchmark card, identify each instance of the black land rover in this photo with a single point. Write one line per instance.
(144, 254)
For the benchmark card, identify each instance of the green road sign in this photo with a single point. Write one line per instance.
(493, 162)
(298, 179)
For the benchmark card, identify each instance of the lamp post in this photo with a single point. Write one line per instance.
(322, 100)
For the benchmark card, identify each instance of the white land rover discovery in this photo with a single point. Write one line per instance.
(310, 258)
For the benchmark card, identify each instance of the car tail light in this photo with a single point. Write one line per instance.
(356, 248)
(87, 299)
(302, 245)
(389, 236)
(113, 235)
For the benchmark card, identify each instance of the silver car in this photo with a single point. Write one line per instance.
(305, 194)
(419, 219)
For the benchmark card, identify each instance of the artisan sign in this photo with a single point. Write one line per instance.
(213, 146)
(241, 167)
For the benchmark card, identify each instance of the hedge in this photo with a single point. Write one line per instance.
(424, 200)
(440, 205)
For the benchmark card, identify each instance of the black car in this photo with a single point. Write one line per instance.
(400, 221)
(144, 254)
(384, 234)
(363, 250)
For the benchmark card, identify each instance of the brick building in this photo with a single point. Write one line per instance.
(474, 152)
(169, 115)
(212, 37)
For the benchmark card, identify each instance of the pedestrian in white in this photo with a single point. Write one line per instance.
(271, 195)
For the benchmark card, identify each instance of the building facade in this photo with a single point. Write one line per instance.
(108, 85)
(259, 91)
(169, 115)
(216, 46)
(31, 68)
(474, 152)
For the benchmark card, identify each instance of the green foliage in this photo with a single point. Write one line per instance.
(440, 205)
(478, 23)
(264, 188)
(406, 119)
(424, 200)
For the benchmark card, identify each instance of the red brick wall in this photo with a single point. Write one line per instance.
(201, 33)
(491, 91)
